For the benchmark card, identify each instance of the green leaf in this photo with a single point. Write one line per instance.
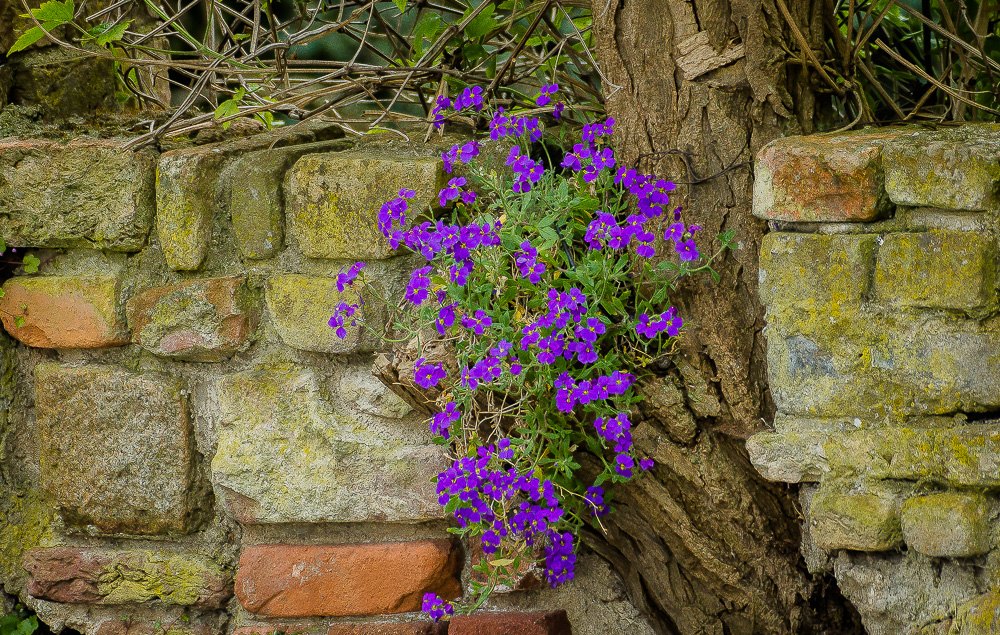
(106, 34)
(31, 36)
(401, 5)
(427, 28)
(18, 321)
(481, 24)
(452, 505)
(501, 562)
(31, 264)
(54, 11)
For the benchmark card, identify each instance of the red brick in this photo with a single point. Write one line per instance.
(333, 580)
(822, 178)
(551, 623)
(384, 628)
(63, 312)
(176, 321)
(271, 629)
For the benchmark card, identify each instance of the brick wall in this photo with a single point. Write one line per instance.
(880, 284)
(185, 446)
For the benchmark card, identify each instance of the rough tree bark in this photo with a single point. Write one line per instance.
(696, 87)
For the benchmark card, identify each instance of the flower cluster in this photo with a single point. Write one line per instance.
(436, 607)
(470, 98)
(508, 505)
(342, 312)
(538, 296)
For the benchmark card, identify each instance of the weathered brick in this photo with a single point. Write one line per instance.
(185, 203)
(551, 623)
(300, 308)
(788, 457)
(790, 279)
(950, 525)
(862, 521)
(271, 628)
(954, 168)
(117, 449)
(979, 615)
(389, 628)
(334, 200)
(257, 202)
(81, 194)
(938, 270)
(285, 454)
(822, 178)
(101, 576)
(63, 312)
(204, 320)
(334, 580)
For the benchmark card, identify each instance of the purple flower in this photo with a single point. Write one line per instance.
(504, 450)
(343, 311)
(667, 321)
(428, 375)
(560, 561)
(687, 250)
(527, 262)
(624, 465)
(418, 286)
(441, 421)
(446, 317)
(468, 197)
(595, 498)
(451, 192)
(436, 607)
(645, 464)
(477, 322)
(544, 98)
(345, 279)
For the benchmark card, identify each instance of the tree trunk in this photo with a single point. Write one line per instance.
(705, 545)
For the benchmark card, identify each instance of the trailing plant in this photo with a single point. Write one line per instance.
(552, 300)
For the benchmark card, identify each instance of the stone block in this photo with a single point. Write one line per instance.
(979, 615)
(285, 455)
(790, 457)
(63, 312)
(300, 308)
(80, 194)
(361, 389)
(823, 178)
(949, 525)
(333, 200)
(100, 576)
(857, 521)
(335, 580)
(790, 278)
(551, 623)
(205, 320)
(117, 450)
(874, 365)
(938, 270)
(257, 202)
(954, 168)
(185, 204)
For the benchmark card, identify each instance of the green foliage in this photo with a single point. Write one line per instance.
(19, 622)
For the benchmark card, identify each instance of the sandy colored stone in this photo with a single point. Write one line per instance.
(948, 524)
(333, 200)
(948, 168)
(857, 521)
(335, 580)
(938, 270)
(551, 623)
(185, 204)
(285, 454)
(117, 449)
(300, 308)
(101, 576)
(87, 193)
(63, 312)
(205, 320)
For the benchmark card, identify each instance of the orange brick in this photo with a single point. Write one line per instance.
(551, 623)
(63, 312)
(334, 580)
